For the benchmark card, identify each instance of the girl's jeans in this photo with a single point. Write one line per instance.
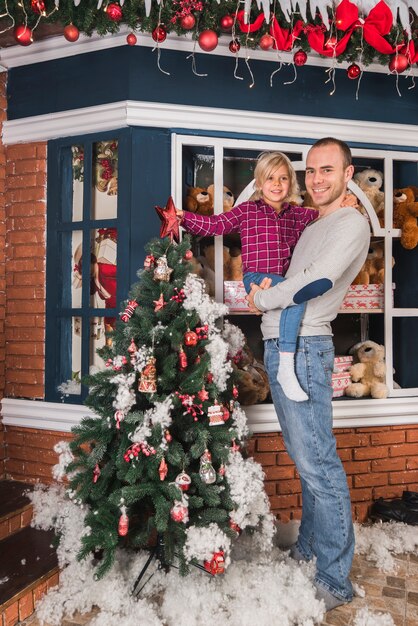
(290, 318)
(326, 529)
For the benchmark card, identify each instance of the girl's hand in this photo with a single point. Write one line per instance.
(179, 214)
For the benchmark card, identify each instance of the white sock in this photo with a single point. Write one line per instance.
(286, 376)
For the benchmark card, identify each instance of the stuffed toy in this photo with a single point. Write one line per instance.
(198, 200)
(373, 270)
(232, 264)
(228, 198)
(252, 383)
(368, 372)
(405, 213)
(370, 181)
(235, 264)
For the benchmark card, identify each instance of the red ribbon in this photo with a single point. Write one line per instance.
(249, 28)
(284, 38)
(410, 52)
(377, 24)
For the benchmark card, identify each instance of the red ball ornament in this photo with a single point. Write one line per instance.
(398, 63)
(266, 42)
(300, 57)
(38, 6)
(131, 39)
(187, 22)
(114, 12)
(234, 46)
(226, 23)
(71, 32)
(23, 35)
(159, 34)
(188, 255)
(190, 338)
(353, 71)
(123, 525)
(208, 40)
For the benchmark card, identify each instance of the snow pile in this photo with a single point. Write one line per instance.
(364, 617)
(380, 541)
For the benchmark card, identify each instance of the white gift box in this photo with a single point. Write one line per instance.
(107, 251)
(234, 295)
(342, 364)
(340, 380)
(364, 297)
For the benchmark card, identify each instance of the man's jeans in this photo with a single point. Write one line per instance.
(326, 529)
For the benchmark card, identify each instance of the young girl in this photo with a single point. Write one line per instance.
(269, 227)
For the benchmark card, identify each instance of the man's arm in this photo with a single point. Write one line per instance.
(341, 245)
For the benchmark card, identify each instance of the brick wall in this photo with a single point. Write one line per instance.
(379, 462)
(3, 84)
(25, 265)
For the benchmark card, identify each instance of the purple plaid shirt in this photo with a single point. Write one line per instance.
(267, 237)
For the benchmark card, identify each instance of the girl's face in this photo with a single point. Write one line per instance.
(275, 188)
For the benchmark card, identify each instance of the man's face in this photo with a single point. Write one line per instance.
(326, 177)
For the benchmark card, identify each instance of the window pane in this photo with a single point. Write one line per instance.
(103, 268)
(405, 349)
(78, 182)
(70, 351)
(105, 180)
(97, 340)
(76, 267)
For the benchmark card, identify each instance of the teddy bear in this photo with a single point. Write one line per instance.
(370, 181)
(252, 379)
(405, 213)
(232, 264)
(368, 371)
(373, 270)
(198, 200)
(228, 197)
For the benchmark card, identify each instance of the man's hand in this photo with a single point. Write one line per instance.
(265, 284)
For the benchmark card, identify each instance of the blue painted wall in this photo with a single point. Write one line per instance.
(132, 73)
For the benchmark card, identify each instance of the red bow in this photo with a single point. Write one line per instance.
(283, 38)
(249, 28)
(377, 24)
(410, 52)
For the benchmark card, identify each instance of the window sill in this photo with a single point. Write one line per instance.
(262, 418)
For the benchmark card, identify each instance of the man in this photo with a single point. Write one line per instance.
(327, 257)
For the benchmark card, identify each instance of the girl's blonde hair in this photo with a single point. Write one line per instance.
(269, 162)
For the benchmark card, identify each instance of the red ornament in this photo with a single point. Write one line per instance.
(234, 526)
(203, 395)
(266, 42)
(300, 57)
(190, 338)
(331, 42)
(159, 35)
(159, 304)
(179, 512)
(183, 481)
(169, 222)
(71, 32)
(168, 436)
(188, 255)
(131, 39)
(217, 564)
(226, 23)
(208, 40)
(225, 415)
(182, 360)
(163, 469)
(38, 6)
(353, 71)
(123, 525)
(209, 377)
(96, 473)
(398, 63)
(149, 261)
(129, 311)
(114, 12)
(187, 22)
(234, 46)
(23, 35)
(235, 391)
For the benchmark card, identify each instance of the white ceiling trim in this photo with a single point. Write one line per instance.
(156, 114)
(59, 47)
(261, 418)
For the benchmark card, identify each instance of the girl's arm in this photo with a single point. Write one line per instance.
(205, 225)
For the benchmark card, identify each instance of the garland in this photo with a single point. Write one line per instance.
(348, 36)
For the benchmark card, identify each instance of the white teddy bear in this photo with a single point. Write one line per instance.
(370, 181)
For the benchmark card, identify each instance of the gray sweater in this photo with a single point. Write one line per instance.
(326, 259)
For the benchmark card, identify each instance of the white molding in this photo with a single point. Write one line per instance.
(261, 418)
(58, 47)
(163, 115)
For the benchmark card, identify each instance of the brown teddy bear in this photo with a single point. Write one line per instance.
(373, 270)
(232, 264)
(405, 213)
(252, 383)
(228, 198)
(368, 372)
(198, 200)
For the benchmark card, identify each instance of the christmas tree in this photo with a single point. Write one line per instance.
(162, 461)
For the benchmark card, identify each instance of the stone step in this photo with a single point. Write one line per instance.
(28, 569)
(15, 507)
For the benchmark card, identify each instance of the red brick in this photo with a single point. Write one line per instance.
(35, 348)
(357, 467)
(11, 615)
(18, 196)
(270, 444)
(4, 529)
(284, 501)
(370, 480)
(345, 454)
(28, 251)
(288, 486)
(24, 236)
(284, 518)
(14, 523)
(34, 222)
(34, 392)
(20, 182)
(404, 478)
(265, 458)
(32, 454)
(394, 436)
(390, 491)
(26, 362)
(39, 592)
(412, 464)
(296, 514)
(412, 435)
(270, 488)
(284, 459)
(53, 581)
(405, 449)
(278, 472)
(389, 465)
(25, 334)
(353, 440)
(26, 607)
(21, 151)
(25, 377)
(360, 495)
(26, 517)
(361, 512)
(375, 452)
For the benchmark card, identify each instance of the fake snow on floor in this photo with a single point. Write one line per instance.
(268, 589)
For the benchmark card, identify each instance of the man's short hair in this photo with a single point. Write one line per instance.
(346, 152)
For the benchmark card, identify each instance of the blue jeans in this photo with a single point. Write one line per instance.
(290, 318)
(326, 529)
